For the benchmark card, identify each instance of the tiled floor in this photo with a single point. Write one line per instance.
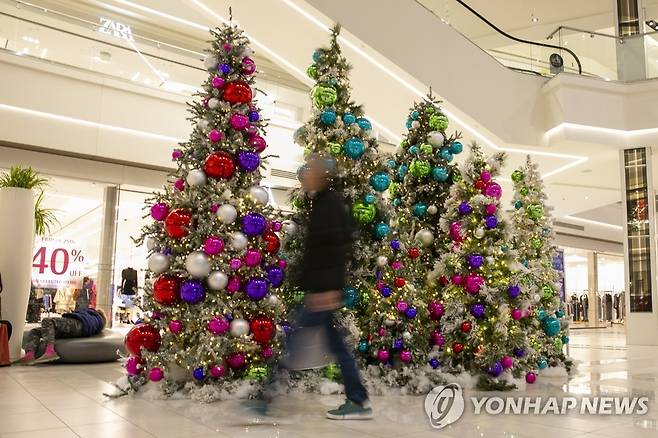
(60, 401)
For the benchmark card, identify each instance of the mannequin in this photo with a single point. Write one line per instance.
(129, 281)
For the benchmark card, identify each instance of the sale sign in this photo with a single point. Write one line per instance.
(57, 263)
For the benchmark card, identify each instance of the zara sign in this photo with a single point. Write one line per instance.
(116, 29)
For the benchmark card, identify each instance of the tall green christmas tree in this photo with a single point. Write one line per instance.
(483, 311)
(212, 306)
(533, 241)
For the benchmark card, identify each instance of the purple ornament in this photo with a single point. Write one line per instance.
(192, 292)
(276, 226)
(395, 245)
(252, 257)
(217, 82)
(159, 211)
(514, 291)
(474, 260)
(254, 116)
(275, 275)
(385, 291)
(238, 121)
(519, 352)
(199, 373)
(248, 66)
(405, 356)
(411, 312)
(495, 370)
(285, 326)
(235, 264)
(434, 363)
(176, 154)
(477, 310)
(248, 161)
(224, 68)
(401, 306)
(491, 222)
(234, 284)
(465, 208)
(253, 224)
(436, 310)
(256, 288)
(218, 326)
(493, 190)
(397, 344)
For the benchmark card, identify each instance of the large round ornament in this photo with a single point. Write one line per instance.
(473, 283)
(438, 121)
(196, 177)
(253, 224)
(435, 310)
(324, 96)
(535, 211)
(381, 230)
(363, 213)
(237, 92)
(236, 360)
(354, 148)
(238, 240)
(437, 138)
(491, 222)
(493, 190)
(192, 292)
(159, 211)
(456, 148)
(248, 160)
(551, 326)
(272, 242)
(420, 168)
(218, 326)
(158, 263)
(239, 327)
(477, 310)
(440, 174)
(142, 336)
(166, 290)
(514, 291)
(256, 288)
(262, 328)
(227, 214)
(474, 260)
(177, 223)
(238, 121)
(259, 194)
(213, 245)
(134, 365)
(364, 123)
(495, 370)
(252, 257)
(517, 176)
(197, 264)
(219, 165)
(425, 237)
(258, 143)
(419, 209)
(328, 117)
(380, 181)
(217, 280)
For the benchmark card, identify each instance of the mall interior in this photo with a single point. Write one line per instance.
(94, 97)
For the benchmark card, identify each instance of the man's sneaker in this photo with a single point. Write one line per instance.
(350, 411)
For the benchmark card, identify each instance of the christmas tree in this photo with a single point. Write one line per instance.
(212, 306)
(533, 242)
(483, 326)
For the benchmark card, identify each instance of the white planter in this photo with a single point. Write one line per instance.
(16, 247)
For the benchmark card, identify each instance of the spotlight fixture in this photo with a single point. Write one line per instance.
(533, 18)
(652, 24)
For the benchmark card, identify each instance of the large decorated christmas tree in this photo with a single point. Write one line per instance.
(533, 242)
(484, 324)
(212, 305)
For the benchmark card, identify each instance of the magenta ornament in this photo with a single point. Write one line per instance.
(456, 231)
(218, 326)
(516, 314)
(234, 284)
(179, 185)
(176, 154)
(235, 360)
(401, 306)
(252, 131)
(235, 264)
(507, 362)
(133, 366)
(491, 209)
(159, 211)
(457, 279)
(227, 47)
(156, 374)
(473, 283)
(252, 257)
(175, 326)
(238, 121)
(437, 338)
(493, 190)
(383, 355)
(435, 309)
(248, 66)
(213, 245)
(282, 263)
(267, 352)
(218, 371)
(218, 82)
(215, 136)
(214, 208)
(485, 176)
(382, 331)
(531, 377)
(276, 226)
(396, 265)
(258, 143)
(405, 356)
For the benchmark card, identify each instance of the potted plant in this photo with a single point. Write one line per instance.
(21, 217)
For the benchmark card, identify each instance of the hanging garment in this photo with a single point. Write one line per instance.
(129, 281)
(584, 301)
(608, 307)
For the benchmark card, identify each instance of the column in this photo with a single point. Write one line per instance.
(592, 288)
(639, 246)
(104, 289)
(631, 63)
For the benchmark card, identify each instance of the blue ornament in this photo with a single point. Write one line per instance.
(446, 154)
(391, 164)
(397, 202)
(514, 291)
(559, 313)
(408, 124)
(254, 116)
(385, 291)
(328, 117)
(565, 339)
(363, 346)
(350, 297)
(420, 209)
(519, 352)
(541, 315)
(199, 373)
(354, 148)
(225, 68)
(542, 364)
(369, 198)
(398, 343)
(518, 205)
(413, 150)
(380, 181)
(465, 208)
(285, 325)
(440, 174)
(411, 312)
(456, 147)
(495, 370)
(317, 55)
(395, 245)
(381, 230)
(434, 363)
(364, 124)
(491, 222)
(551, 326)
(402, 171)
(348, 118)
(414, 115)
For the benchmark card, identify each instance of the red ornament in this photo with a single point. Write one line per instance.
(142, 336)
(177, 223)
(480, 185)
(262, 328)
(466, 326)
(457, 347)
(219, 165)
(443, 280)
(166, 290)
(237, 92)
(413, 252)
(399, 282)
(272, 242)
(479, 349)
(370, 337)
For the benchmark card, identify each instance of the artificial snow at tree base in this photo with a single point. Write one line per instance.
(443, 284)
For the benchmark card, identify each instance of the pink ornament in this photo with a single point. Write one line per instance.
(156, 374)
(235, 264)
(382, 331)
(379, 284)
(531, 377)
(485, 176)
(436, 310)
(175, 326)
(276, 226)
(238, 121)
(401, 306)
(213, 245)
(437, 338)
(473, 283)
(266, 352)
(258, 143)
(493, 190)
(252, 130)
(383, 355)
(134, 365)
(218, 371)
(179, 185)
(176, 154)
(516, 314)
(507, 362)
(457, 279)
(159, 211)
(252, 257)
(214, 208)
(235, 360)
(227, 47)
(396, 265)
(248, 66)
(405, 356)
(218, 326)
(217, 82)
(282, 263)
(234, 284)
(156, 315)
(215, 136)
(456, 231)
(491, 209)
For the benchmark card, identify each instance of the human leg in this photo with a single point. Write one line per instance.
(32, 344)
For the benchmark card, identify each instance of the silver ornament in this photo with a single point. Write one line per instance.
(239, 327)
(151, 243)
(213, 103)
(238, 240)
(227, 194)
(273, 300)
(536, 298)
(425, 237)
(202, 124)
(217, 280)
(389, 322)
(196, 177)
(289, 227)
(436, 139)
(432, 209)
(259, 194)
(247, 51)
(210, 62)
(197, 264)
(382, 261)
(415, 124)
(479, 233)
(491, 260)
(227, 214)
(406, 336)
(158, 263)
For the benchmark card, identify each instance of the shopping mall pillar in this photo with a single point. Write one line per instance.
(639, 246)
(631, 65)
(105, 288)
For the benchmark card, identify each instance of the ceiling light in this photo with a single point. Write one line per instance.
(591, 222)
(652, 24)
(533, 18)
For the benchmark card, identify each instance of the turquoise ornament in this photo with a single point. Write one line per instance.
(328, 117)
(350, 297)
(381, 230)
(446, 154)
(542, 364)
(551, 326)
(349, 118)
(333, 81)
(541, 315)
(559, 313)
(565, 339)
(380, 181)
(354, 148)
(402, 171)
(363, 346)
(413, 150)
(526, 263)
(408, 124)
(456, 147)
(414, 115)
(518, 205)
(397, 202)
(504, 248)
(369, 198)
(317, 56)
(364, 124)
(420, 209)
(391, 164)
(440, 174)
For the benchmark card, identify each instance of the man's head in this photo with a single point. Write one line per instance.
(317, 172)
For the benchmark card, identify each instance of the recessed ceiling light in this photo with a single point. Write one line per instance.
(533, 18)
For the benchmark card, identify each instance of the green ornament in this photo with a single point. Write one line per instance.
(456, 177)
(404, 144)
(517, 176)
(363, 213)
(257, 372)
(548, 291)
(426, 149)
(535, 211)
(536, 243)
(324, 96)
(298, 296)
(393, 189)
(298, 202)
(335, 149)
(429, 109)
(558, 344)
(311, 71)
(438, 122)
(524, 191)
(332, 372)
(420, 168)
